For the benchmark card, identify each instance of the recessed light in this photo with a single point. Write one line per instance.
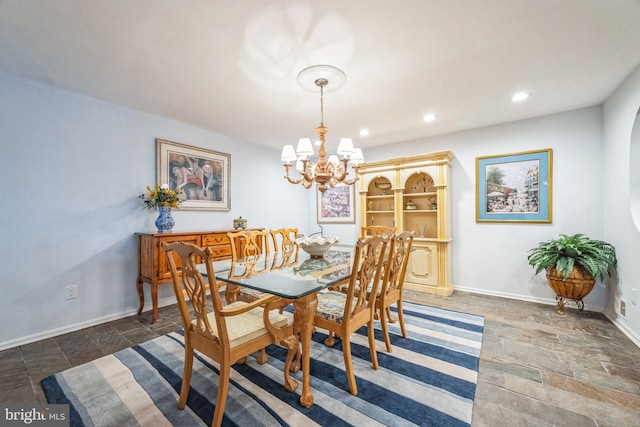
(429, 117)
(519, 96)
(364, 132)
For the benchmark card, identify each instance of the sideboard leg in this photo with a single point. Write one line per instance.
(140, 295)
(154, 300)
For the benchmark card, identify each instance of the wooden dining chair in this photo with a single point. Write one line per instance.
(248, 246)
(377, 230)
(394, 270)
(225, 334)
(343, 313)
(284, 244)
(249, 243)
(284, 239)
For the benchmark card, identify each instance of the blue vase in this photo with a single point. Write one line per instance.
(164, 222)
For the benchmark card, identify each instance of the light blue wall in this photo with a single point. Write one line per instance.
(619, 113)
(491, 258)
(73, 168)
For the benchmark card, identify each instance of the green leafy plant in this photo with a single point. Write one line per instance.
(564, 252)
(161, 195)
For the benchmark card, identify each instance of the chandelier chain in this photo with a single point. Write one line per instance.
(321, 83)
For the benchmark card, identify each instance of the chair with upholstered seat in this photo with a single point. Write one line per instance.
(377, 230)
(226, 334)
(248, 246)
(283, 240)
(395, 268)
(342, 314)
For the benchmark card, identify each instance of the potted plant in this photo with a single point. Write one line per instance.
(573, 263)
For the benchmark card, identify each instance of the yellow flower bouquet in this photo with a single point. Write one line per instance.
(162, 195)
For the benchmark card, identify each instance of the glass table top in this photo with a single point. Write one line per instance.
(290, 277)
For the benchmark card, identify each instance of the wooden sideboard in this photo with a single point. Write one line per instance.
(153, 267)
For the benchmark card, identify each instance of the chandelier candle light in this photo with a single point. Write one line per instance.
(326, 172)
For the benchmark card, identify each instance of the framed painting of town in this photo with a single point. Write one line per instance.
(514, 187)
(202, 175)
(336, 205)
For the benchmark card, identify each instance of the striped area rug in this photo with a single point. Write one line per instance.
(429, 379)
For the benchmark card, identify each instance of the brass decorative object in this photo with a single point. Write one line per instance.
(424, 183)
(240, 223)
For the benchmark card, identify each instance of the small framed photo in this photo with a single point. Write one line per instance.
(336, 205)
(202, 175)
(514, 187)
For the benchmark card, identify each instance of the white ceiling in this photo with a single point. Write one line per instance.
(231, 66)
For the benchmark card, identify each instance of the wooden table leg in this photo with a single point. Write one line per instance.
(304, 311)
(140, 295)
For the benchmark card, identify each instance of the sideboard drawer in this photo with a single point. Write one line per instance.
(217, 239)
(218, 243)
(221, 251)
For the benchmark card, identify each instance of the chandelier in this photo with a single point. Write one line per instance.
(326, 172)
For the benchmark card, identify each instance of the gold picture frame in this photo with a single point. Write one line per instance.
(203, 175)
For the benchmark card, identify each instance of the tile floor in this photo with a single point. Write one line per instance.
(537, 368)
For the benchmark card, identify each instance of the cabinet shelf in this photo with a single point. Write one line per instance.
(378, 212)
(420, 211)
(428, 194)
(386, 196)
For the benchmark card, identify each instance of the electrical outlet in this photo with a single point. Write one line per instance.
(616, 305)
(623, 307)
(634, 296)
(71, 292)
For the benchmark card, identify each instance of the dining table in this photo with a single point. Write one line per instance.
(297, 277)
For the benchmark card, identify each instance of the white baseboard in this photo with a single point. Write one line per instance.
(78, 326)
(622, 325)
(614, 318)
(547, 301)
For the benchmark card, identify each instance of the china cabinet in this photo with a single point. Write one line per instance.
(412, 194)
